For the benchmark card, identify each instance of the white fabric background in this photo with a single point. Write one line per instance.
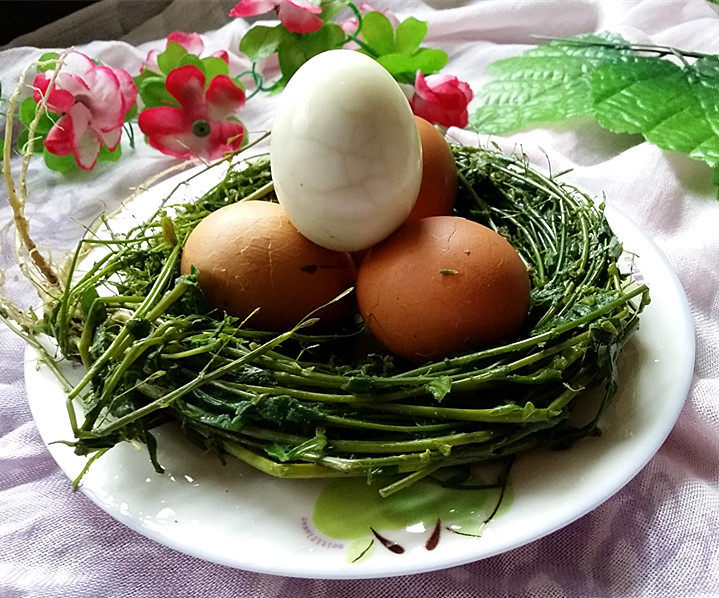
(659, 536)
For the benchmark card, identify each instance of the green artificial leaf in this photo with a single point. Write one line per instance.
(131, 114)
(546, 83)
(409, 35)
(46, 122)
(59, 163)
(213, 67)
(110, 156)
(192, 60)
(378, 33)
(440, 387)
(27, 111)
(674, 107)
(331, 7)
(153, 93)
(47, 57)
(405, 66)
(715, 176)
(171, 57)
(296, 49)
(145, 73)
(260, 41)
(23, 138)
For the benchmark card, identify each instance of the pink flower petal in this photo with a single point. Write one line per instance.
(70, 82)
(77, 63)
(72, 135)
(163, 120)
(128, 89)
(222, 55)
(192, 42)
(87, 149)
(223, 97)
(58, 100)
(304, 5)
(441, 99)
(181, 145)
(250, 8)
(61, 138)
(66, 82)
(104, 99)
(349, 25)
(111, 139)
(298, 18)
(225, 136)
(150, 61)
(40, 85)
(187, 85)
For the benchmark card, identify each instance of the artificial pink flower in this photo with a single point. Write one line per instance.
(92, 101)
(298, 16)
(202, 125)
(350, 25)
(192, 42)
(441, 99)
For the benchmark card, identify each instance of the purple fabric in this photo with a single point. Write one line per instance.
(659, 536)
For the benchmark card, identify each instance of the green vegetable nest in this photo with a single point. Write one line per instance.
(303, 405)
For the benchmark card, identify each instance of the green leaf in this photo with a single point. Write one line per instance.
(22, 140)
(331, 7)
(676, 108)
(715, 178)
(59, 163)
(297, 49)
(440, 387)
(409, 35)
(171, 57)
(132, 113)
(546, 83)
(191, 59)
(378, 33)
(291, 57)
(110, 156)
(153, 93)
(27, 111)
(427, 60)
(46, 57)
(616, 87)
(260, 41)
(214, 66)
(145, 74)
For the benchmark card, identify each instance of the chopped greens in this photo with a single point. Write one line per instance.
(304, 404)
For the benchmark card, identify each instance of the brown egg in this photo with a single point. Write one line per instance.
(439, 174)
(441, 285)
(249, 255)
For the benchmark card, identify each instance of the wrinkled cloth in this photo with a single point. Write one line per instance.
(659, 536)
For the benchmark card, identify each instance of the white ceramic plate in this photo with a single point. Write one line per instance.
(235, 516)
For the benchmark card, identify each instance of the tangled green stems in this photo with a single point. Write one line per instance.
(301, 404)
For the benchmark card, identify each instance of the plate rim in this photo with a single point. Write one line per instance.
(592, 501)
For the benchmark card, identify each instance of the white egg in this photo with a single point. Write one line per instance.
(345, 152)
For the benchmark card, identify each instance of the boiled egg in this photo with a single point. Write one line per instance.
(442, 285)
(345, 152)
(253, 262)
